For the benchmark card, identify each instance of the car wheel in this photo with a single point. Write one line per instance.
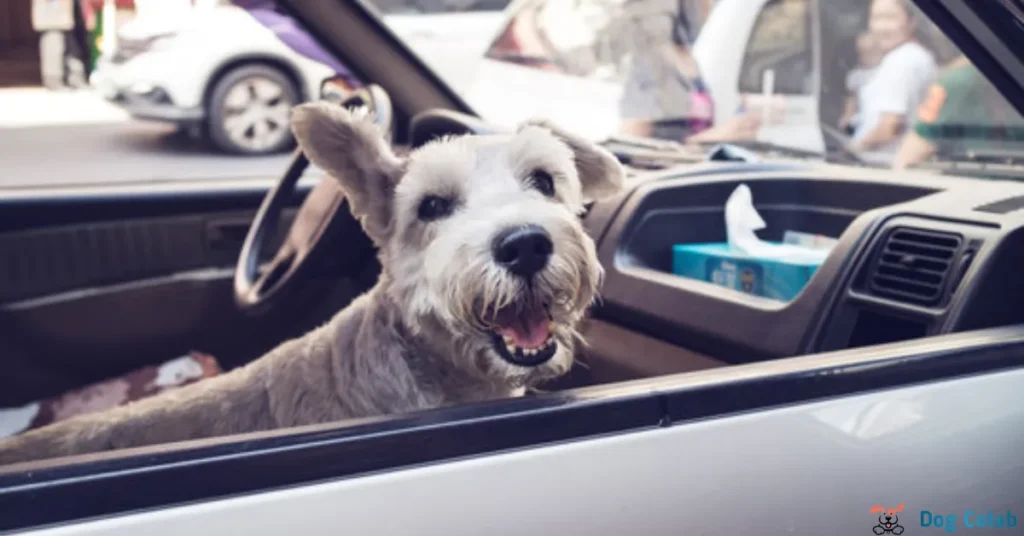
(249, 109)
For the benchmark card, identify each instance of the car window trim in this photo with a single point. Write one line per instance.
(62, 491)
(962, 21)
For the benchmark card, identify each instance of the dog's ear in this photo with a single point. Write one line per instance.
(601, 174)
(353, 151)
(877, 508)
(899, 508)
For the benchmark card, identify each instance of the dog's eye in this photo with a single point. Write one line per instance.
(433, 207)
(543, 182)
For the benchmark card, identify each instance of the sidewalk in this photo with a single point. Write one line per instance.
(37, 107)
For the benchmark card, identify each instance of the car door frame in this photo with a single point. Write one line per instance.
(145, 489)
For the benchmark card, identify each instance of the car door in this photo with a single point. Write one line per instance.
(822, 444)
(102, 279)
(118, 240)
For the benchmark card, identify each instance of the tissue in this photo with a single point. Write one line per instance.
(741, 220)
(746, 262)
(741, 223)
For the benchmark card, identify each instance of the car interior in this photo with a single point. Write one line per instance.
(107, 279)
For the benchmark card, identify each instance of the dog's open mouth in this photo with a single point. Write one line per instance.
(522, 334)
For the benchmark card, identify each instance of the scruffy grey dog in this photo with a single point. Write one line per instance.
(487, 273)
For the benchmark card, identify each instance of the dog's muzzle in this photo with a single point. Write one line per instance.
(521, 331)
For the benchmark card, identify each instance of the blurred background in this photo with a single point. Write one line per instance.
(156, 90)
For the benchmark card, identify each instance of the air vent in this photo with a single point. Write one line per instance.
(914, 265)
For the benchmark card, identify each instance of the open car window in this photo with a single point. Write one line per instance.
(711, 377)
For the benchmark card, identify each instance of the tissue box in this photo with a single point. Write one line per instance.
(775, 278)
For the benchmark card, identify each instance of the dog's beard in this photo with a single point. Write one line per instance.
(462, 304)
(529, 325)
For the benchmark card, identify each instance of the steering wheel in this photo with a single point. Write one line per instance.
(315, 228)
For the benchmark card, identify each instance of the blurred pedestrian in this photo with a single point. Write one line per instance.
(664, 96)
(963, 112)
(60, 53)
(894, 90)
(868, 56)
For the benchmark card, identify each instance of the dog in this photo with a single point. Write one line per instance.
(888, 521)
(486, 275)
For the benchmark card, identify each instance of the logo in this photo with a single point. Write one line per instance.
(970, 519)
(888, 520)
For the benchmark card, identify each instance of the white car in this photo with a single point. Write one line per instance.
(235, 72)
(562, 47)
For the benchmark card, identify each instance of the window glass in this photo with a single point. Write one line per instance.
(154, 91)
(389, 7)
(144, 90)
(780, 42)
(563, 35)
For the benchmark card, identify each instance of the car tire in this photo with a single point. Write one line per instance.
(248, 110)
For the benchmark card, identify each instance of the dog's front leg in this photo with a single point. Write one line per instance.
(233, 403)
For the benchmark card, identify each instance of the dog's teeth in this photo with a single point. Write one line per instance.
(508, 340)
(511, 348)
(528, 351)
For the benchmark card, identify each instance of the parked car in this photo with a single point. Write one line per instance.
(568, 60)
(234, 71)
(886, 392)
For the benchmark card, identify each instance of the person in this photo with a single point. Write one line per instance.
(962, 111)
(895, 89)
(60, 57)
(868, 59)
(664, 96)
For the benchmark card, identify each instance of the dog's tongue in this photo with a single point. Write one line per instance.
(527, 329)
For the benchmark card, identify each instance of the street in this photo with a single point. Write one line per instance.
(69, 138)
(129, 151)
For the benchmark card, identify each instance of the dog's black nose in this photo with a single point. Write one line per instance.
(523, 250)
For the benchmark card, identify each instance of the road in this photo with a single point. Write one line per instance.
(115, 152)
(75, 137)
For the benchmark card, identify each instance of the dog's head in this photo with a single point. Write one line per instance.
(480, 238)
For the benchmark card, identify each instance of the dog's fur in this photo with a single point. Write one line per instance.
(421, 337)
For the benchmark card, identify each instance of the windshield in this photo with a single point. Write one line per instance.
(874, 78)
(145, 90)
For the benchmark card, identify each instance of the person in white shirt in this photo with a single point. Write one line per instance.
(868, 57)
(894, 90)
